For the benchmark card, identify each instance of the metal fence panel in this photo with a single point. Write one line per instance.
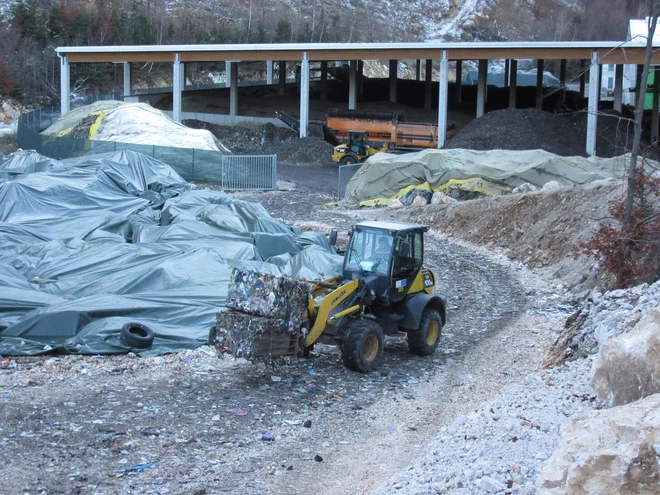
(346, 173)
(255, 172)
(233, 172)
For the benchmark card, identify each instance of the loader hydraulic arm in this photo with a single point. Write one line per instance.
(331, 302)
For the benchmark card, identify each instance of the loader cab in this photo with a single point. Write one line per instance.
(387, 256)
(356, 142)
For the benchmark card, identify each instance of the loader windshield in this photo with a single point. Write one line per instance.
(370, 250)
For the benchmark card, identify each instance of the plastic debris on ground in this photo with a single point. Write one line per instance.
(90, 243)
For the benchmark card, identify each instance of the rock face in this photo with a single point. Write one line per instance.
(610, 451)
(602, 316)
(628, 366)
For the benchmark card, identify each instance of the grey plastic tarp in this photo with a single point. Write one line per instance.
(385, 174)
(89, 244)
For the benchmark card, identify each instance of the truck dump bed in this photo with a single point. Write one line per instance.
(383, 127)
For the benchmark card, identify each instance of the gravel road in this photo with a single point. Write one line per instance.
(198, 423)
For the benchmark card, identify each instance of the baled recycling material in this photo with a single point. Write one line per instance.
(91, 243)
(254, 337)
(386, 176)
(266, 295)
(264, 310)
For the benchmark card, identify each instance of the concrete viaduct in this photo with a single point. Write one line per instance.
(594, 53)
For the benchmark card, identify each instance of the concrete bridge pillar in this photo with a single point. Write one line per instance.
(65, 85)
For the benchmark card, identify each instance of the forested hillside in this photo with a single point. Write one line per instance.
(31, 29)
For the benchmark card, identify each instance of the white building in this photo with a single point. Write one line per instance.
(638, 30)
(607, 80)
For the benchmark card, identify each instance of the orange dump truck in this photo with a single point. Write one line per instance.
(383, 127)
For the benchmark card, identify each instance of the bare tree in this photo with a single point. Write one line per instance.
(654, 12)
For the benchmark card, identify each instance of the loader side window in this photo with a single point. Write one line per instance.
(408, 253)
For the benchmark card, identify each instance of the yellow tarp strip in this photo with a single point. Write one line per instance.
(476, 185)
(97, 123)
(92, 130)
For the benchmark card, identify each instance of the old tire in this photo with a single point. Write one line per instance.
(424, 340)
(137, 335)
(348, 160)
(362, 348)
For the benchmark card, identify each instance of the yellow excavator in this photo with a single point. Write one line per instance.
(384, 289)
(356, 149)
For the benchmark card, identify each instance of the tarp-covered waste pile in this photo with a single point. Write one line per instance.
(90, 244)
(265, 318)
(136, 123)
(387, 176)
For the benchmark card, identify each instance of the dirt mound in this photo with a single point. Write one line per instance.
(269, 140)
(521, 129)
(525, 129)
(81, 130)
(247, 138)
(539, 229)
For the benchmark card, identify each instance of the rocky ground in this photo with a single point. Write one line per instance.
(477, 417)
(502, 445)
(198, 423)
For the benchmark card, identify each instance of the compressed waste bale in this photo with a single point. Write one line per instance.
(267, 295)
(251, 337)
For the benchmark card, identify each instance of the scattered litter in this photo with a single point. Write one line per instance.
(137, 467)
(237, 412)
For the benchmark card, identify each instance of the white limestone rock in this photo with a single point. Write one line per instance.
(553, 185)
(628, 368)
(395, 204)
(419, 201)
(607, 451)
(440, 198)
(524, 188)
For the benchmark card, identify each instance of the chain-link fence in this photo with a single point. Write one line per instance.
(230, 171)
(346, 173)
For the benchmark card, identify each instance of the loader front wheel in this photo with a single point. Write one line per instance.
(362, 348)
(348, 160)
(424, 340)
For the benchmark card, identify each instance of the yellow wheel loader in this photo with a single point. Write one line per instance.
(356, 150)
(384, 289)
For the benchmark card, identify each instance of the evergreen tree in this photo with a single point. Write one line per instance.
(283, 31)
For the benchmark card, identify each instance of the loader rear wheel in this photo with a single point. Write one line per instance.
(424, 340)
(362, 348)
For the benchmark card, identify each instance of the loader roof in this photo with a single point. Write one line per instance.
(391, 226)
